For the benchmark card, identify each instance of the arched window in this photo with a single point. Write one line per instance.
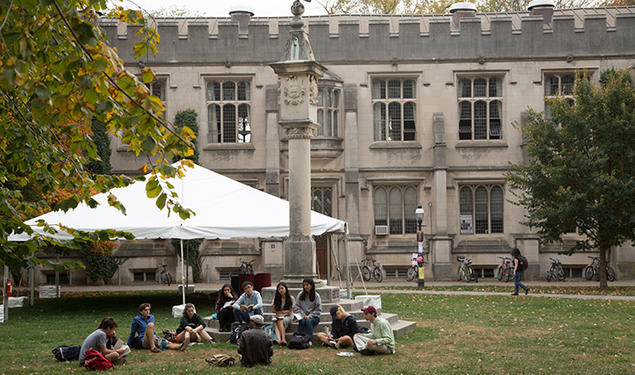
(481, 209)
(395, 213)
(380, 207)
(496, 209)
(410, 205)
(466, 211)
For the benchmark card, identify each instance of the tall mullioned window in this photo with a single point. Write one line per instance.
(394, 109)
(558, 85)
(481, 209)
(480, 108)
(229, 111)
(322, 200)
(328, 111)
(395, 206)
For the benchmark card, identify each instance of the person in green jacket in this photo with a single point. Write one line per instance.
(380, 340)
(192, 328)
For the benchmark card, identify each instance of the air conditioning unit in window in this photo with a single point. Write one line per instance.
(381, 230)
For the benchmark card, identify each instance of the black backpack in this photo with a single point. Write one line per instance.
(299, 341)
(234, 338)
(67, 353)
(522, 263)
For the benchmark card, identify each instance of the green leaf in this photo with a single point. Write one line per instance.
(147, 76)
(161, 201)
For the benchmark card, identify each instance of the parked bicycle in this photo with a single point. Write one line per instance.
(592, 271)
(246, 267)
(505, 270)
(556, 272)
(466, 271)
(372, 269)
(164, 276)
(413, 270)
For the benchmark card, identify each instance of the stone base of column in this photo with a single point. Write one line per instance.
(444, 272)
(299, 260)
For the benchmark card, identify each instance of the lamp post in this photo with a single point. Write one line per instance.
(420, 274)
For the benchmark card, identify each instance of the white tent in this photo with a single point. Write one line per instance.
(224, 208)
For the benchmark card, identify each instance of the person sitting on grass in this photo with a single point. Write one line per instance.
(282, 309)
(380, 340)
(248, 307)
(142, 332)
(308, 307)
(224, 310)
(344, 327)
(192, 328)
(97, 341)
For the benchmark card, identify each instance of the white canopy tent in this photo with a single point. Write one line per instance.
(224, 208)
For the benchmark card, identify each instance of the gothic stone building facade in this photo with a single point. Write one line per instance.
(413, 110)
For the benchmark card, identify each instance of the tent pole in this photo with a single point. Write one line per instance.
(349, 293)
(182, 272)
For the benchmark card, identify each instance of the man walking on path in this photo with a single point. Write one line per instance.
(380, 340)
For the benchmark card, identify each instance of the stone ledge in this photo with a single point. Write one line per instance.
(394, 144)
(229, 147)
(481, 144)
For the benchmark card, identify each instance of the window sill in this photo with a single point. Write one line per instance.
(481, 144)
(228, 146)
(394, 144)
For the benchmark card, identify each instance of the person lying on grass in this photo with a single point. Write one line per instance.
(192, 328)
(97, 341)
(380, 340)
(248, 307)
(142, 332)
(344, 327)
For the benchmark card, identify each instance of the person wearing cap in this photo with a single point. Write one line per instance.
(380, 340)
(343, 328)
(248, 307)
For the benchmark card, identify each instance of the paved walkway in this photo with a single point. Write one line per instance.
(372, 288)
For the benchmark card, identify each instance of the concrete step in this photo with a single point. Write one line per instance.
(400, 328)
(325, 321)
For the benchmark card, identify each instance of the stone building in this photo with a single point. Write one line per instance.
(414, 109)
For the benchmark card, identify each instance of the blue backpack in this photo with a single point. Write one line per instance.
(67, 353)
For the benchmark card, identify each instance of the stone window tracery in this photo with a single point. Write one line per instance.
(229, 111)
(481, 209)
(480, 108)
(394, 109)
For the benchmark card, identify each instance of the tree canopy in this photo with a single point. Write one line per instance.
(58, 76)
(581, 166)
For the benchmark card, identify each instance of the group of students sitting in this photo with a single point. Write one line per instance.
(305, 309)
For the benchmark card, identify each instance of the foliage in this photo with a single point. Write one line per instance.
(100, 262)
(439, 6)
(581, 169)
(454, 335)
(101, 166)
(187, 118)
(174, 11)
(57, 75)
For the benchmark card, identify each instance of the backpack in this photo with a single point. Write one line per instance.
(299, 341)
(94, 360)
(67, 353)
(170, 335)
(522, 263)
(255, 348)
(237, 331)
(221, 360)
(270, 331)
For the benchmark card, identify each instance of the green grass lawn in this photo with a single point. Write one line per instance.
(454, 335)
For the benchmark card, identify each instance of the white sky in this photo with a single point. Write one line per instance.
(220, 8)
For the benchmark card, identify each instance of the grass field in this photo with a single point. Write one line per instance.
(454, 335)
(509, 287)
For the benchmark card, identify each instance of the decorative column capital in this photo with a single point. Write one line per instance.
(304, 132)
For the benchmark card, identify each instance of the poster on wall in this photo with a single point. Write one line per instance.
(466, 224)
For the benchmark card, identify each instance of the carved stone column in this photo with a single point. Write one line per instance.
(297, 79)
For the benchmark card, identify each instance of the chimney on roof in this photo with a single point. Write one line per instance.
(242, 14)
(460, 10)
(542, 8)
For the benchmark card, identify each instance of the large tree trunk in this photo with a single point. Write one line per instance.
(603, 251)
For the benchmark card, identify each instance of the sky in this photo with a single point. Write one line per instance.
(220, 8)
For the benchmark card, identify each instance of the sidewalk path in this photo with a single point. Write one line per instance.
(468, 293)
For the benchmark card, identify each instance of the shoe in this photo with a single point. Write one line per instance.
(155, 350)
(526, 291)
(337, 346)
(514, 294)
(333, 344)
(211, 341)
(366, 352)
(283, 343)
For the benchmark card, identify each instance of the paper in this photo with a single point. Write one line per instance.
(345, 354)
(228, 304)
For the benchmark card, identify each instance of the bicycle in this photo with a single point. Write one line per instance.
(246, 267)
(372, 268)
(592, 271)
(413, 270)
(556, 272)
(466, 271)
(505, 270)
(164, 276)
